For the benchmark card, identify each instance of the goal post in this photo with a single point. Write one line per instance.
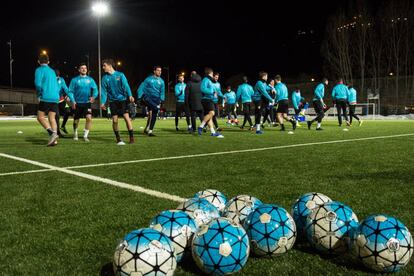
(16, 110)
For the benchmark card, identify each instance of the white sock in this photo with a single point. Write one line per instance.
(189, 126)
(212, 130)
(149, 131)
(202, 124)
(318, 125)
(75, 133)
(85, 133)
(258, 127)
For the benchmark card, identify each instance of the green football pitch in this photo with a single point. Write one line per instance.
(63, 211)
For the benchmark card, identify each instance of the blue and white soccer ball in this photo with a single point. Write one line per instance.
(239, 207)
(145, 252)
(271, 230)
(179, 227)
(200, 210)
(304, 206)
(220, 247)
(215, 197)
(383, 243)
(329, 228)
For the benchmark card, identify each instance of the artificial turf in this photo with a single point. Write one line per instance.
(59, 224)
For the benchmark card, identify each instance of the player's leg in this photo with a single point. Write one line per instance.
(188, 117)
(76, 120)
(115, 128)
(177, 113)
(149, 115)
(154, 112)
(129, 126)
(258, 116)
(88, 126)
(339, 112)
(344, 112)
(41, 117)
(52, 121)
(280, 119)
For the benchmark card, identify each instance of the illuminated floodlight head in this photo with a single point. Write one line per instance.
(100, 8)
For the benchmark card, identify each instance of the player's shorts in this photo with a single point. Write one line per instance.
(82, 110)
(119, 108)
(151, 102)
(283, 106)
(208, 106)
(48, 107)
(317, 105)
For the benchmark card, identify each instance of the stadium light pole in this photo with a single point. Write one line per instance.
(100, 9)
(11, 64)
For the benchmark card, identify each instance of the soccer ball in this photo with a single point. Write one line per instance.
(145, 252)
(329, 228)
(304, 206)
(220, 247)
(271, 229)
(179, 227)
(200, 210)
(383, 243)
(239, 207)
(214, 197)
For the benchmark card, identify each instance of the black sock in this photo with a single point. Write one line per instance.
(282, 126)
(131, 133)
(49, 131)
(118, 137)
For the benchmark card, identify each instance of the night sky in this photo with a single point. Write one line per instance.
(233, 37)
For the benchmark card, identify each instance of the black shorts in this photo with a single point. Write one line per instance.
(208, 106)
(283, 106)
(180, 108)
(317, 105)
(230, 108)
(119, 108)
(82, 110)
(48, 107)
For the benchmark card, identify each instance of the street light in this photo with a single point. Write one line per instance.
(44, 52)
(100, 9)
(11, 64)
(119, 63)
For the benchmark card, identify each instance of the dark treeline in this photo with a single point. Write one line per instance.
(371, 43)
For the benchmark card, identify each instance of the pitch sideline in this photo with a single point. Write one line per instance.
(98, 179)
(209, 154)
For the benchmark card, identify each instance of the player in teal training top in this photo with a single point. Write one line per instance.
(261, 99)
(208, 93)
(151, 92)
(340, 99)
(245, 93)
(116, 90)
(82, 94)
(319, 104)
(47, 89)
(230, 102)
(352, 102)
(181, 104)
(282, 99)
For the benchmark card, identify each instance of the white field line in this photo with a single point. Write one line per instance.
(98, 179)
(24, 172)
(215, 153)
(240, 151)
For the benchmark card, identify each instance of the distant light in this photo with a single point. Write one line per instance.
(44, 52)
(391, 74)
(182, 73)
(100, 9)
(312, 80)
(119, 63)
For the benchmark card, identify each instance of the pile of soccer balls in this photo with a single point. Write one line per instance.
(219, 235)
